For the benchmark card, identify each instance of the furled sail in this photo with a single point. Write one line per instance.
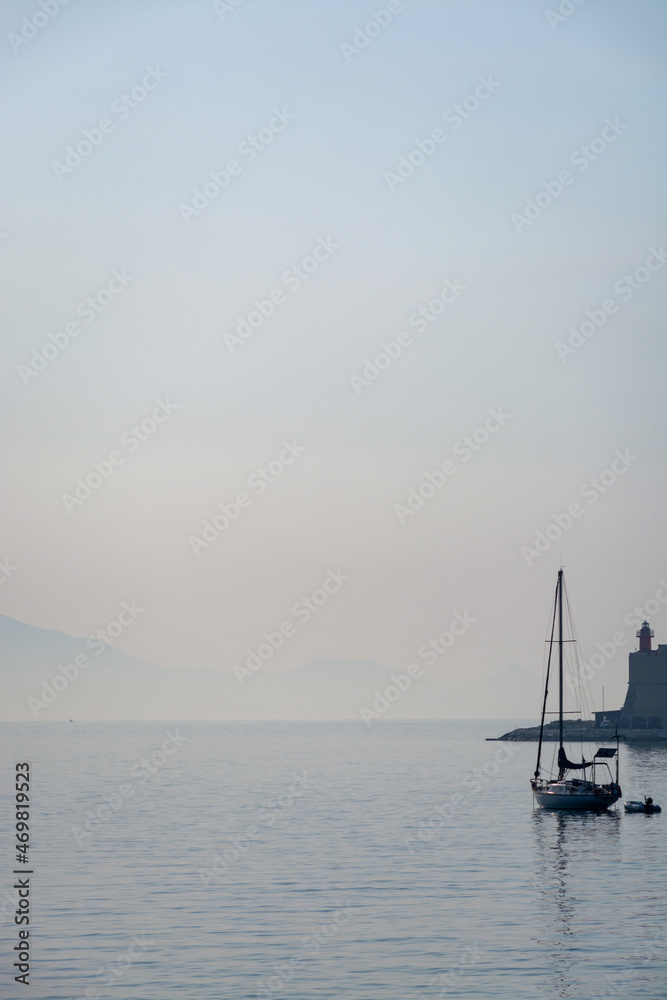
(566, 765)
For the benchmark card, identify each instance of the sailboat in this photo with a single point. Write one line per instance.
(563, 791)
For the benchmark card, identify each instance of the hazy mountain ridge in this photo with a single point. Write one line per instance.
(116, 685)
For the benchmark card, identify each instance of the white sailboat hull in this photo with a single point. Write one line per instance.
(574, 795)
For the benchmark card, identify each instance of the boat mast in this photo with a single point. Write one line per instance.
(546, 686)
(560, 657)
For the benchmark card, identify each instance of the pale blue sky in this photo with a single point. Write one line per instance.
(323, 176)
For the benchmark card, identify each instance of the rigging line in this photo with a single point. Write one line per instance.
(546, 689)
(560, 665)
(583, 689)
(583, 695)
(572, 667)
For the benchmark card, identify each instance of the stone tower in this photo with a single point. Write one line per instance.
(645, 705)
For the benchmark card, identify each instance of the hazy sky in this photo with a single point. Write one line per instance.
(373, 159)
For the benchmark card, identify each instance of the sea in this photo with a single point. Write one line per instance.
(306, 860)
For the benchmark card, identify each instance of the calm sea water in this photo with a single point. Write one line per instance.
(308, 860)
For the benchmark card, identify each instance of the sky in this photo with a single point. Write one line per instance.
(425, 294)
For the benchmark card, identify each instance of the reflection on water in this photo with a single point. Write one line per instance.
(598, 887)
(569, 847)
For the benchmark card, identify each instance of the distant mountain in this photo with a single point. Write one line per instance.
(48, 675)
(41, 677)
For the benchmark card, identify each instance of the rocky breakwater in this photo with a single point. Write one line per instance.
(573, 730)
(586, 730)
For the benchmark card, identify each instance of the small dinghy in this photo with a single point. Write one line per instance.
(647, 806)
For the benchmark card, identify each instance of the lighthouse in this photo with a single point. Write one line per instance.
(645, 634)
(645, 704)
